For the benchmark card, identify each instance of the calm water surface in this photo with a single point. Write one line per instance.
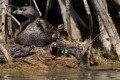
(65, 75)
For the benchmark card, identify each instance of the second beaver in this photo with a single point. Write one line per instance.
(37, 32)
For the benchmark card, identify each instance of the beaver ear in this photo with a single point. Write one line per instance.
(61, 27)
(40, 21)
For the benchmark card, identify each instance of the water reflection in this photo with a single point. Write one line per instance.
(99, 75)
(66, 75)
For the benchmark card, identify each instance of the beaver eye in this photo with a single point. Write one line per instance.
(22, 9)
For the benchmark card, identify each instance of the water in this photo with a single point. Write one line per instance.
(66, 75)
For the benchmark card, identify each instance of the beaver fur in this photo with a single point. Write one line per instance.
(38, 32)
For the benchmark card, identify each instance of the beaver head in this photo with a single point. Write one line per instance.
(27, 11)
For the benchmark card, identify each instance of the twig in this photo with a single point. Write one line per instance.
(68, 22)
(37, 8)
(87, 8)
(7, 55)
(47, 6)
(41, 60)
(13, 18)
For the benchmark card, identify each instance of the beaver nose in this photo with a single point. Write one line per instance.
(17, 12)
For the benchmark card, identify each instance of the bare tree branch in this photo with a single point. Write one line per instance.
(13, 18)
(40, 14)
(67, 24)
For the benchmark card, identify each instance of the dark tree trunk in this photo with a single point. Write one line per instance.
(117, 2)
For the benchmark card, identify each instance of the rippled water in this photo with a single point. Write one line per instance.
(72, 75)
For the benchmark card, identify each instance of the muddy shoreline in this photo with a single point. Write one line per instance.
(42, 61)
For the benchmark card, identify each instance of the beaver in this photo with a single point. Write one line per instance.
(19, 52)
(37, 32)
(76, 52)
